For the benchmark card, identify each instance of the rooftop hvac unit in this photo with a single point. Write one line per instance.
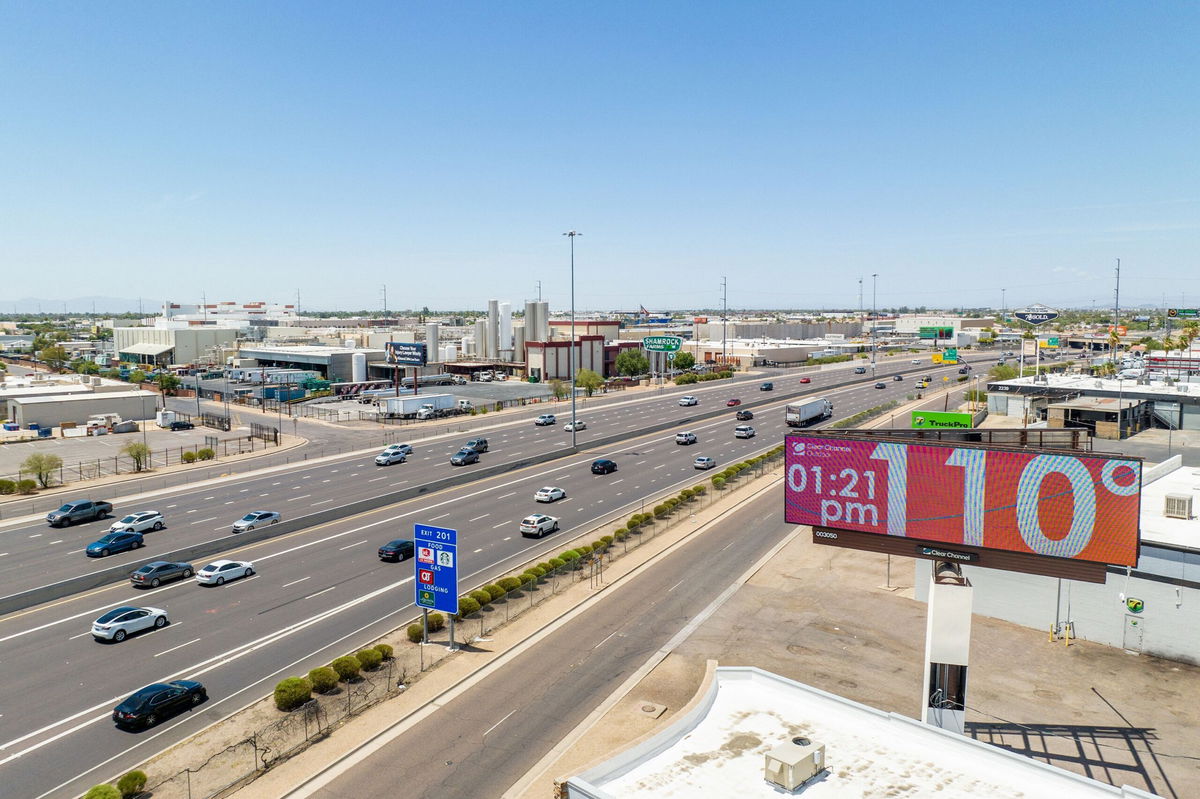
(791, 764)
(1178, 506)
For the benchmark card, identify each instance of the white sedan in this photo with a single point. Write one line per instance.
(688, 400)
(220, 572)
(578, 424)
(138, 522)
(549, 494)
(538, 525)
(117, 624)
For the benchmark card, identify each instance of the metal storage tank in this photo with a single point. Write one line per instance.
(351, 344)
(469, 345)
(481, 338)
(358, 367)
(491, 330)
(432, 347)
(518, 343)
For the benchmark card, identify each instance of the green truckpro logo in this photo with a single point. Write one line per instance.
(940, 420)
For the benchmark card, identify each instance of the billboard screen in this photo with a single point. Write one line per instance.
(1064, 506)
(935, 331)
(406, 353)
(924, 420)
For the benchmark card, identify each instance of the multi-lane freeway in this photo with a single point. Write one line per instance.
(321, 591)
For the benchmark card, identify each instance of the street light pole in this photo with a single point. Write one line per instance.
(571, 348)
(874, 322)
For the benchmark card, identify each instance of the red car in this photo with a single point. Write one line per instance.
(733, 402)
(805, 380)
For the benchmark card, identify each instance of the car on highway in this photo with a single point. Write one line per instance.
(538, 524)
(963, 370)
(157, 572)
(685, 438)
(545, 419)
(120, 623)
(768, 386)
(575, 426)
(79, 510)
(806, 380)
(743, 431)
(549, 494)
(744, 416)
(220, 572)
(464, 456)
(860, 370)
(897, 378)
(880, 385)
(150, 705)
(404, 449)
(387, 458)
(257, 518)
(704, 462)
(397, 550)
(733, 403)
(479, 444)
(138, 522)
(112, 543)
(180, 424)
(603, 466)
(688, 400)
(915, 361)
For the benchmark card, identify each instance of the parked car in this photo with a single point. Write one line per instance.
(880, 385)
(158, 572)
(179, 424)
(397, 550)
(732, 403)
(545, 419)
(744, 416)
(152, 704)
(79, 510)
(575, 426)
(138, 522)
(538, 525)
(688, 400)
(743, 431)
(112, 543)
(704, 462)
(387, 458)
(220, 572)
(806, 380)
(403, 449)
(479, 444)
(257, 518)
(685, 438)
(120, 623)
(603, 466)
(464, 456)
(549, 494)
(768, 386)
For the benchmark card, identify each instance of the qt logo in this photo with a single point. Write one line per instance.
(1134, 605)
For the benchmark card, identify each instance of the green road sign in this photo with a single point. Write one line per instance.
(662, 343)
(1183, 313)
(950, 355)
(940, 419)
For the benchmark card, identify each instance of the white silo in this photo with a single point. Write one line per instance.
(358, 367)
(505, 342)
(530, 321)
(449, 353)
(491, 330)
(469, 345)
(518, 343)
(542, 331)
(431, 342)
(481, 338)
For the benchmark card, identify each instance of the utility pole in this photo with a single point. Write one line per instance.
(874, 321)
(539, 292)
(204, 306)
(297, 302)
(1003, 305)
(385, 299)
(724, 315)
(861, 320)
(571, 349)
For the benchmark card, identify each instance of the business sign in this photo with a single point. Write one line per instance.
(1056, 505)
(940, 420)
(1048, 342)
(406, 353)
(935, 331)
(436, 566)
(1121, 329)
(950, 355)
(1029, 346)
(662, 343)
(1183, 313)
(1036, 314)
(350, 389)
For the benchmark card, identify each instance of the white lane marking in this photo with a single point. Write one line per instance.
(508, 538)
(435, 518)
(672, 588)
(639, 463)
(614, 482)
(356, 543)
(206, 499)
(73, 637)
(170, 506)
(202, 521)
(506, 496)
(59, 541)
(610, 635)
(477, 518)
(501, 524)
(295, 488)
(181, 646)
(498, 723)
(302, 496)
(325, 480)
(305, 477)
(322, 502)
(275, 484)
(402, 482)
(377, 479)
(264, 495)
(659, 466)
(243, 491)
(72, 552)
(325, 591)
(293, 582)
(193, 510)
(476, 552)
(230, 502)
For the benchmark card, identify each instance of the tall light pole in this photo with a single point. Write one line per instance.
(874, 321)
(724, 316)
(571, 234)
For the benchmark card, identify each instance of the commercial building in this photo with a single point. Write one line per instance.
(52, 411)
(1143, 402)
(175, 343)
(333, 363)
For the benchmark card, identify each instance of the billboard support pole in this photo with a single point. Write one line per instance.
(947, 644)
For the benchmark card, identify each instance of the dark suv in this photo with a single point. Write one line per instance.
(159, 572)
(604, 466)
(477, 444)
(396, 551)
(182, 425)
(745, 416)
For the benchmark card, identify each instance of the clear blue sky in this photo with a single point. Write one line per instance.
(247, 150)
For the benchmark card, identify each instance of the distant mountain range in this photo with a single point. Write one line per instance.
(102, 305)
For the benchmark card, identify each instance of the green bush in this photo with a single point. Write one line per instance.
(436, 622)
(607, 539)
(496, 592)
(687, 494)
(529, 579)
(598, 547)
(26, 486)
(686, 380)
(8, 487)
(206, 454)
(102, 792)
(347, 667)
(569, 555)
(188, 457)
(545, 567)
(634, 522)
(415, 632)
(385, 650)
(132, 784)
(584, 550)
(324, 679)
(509, 584)
(291, 692)
(718, 482)
(466, 606)
(482, 597)
(369, 658)
(699, 490)
(621, 534)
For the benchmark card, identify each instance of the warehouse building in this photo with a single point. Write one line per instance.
(52, 411)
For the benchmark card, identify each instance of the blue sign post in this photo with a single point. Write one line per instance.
(436, 567)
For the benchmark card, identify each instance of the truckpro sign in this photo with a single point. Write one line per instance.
(940, 420)
(1051, 504)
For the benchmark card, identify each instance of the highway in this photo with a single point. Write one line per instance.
(321, 591)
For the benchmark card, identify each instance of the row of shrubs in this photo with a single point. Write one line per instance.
(862, 416)
(205, 454)
(721, 478)
(129, 785)
(18, 486)
(291, 692)
(692, 377)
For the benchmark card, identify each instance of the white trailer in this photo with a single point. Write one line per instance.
(801, 413)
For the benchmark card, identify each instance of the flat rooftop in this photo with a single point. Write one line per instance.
(1160, 529)
(717, 748)
(310, 350)
(89, 397)
(1156, 389)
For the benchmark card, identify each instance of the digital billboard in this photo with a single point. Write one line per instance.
(935, 331)
(406, 353)
(1052, 504)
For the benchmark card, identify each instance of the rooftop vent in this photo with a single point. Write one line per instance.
(1178, 506)
(794, 763)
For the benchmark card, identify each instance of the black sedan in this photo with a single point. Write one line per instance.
(603, 466)
(160, 571)
(396, 551)
(156, 702)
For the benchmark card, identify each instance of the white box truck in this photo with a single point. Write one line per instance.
(802, 413)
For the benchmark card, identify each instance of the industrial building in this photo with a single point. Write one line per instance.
(334, 363)
(54, 410)
(1108, 407)
(177, 343)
